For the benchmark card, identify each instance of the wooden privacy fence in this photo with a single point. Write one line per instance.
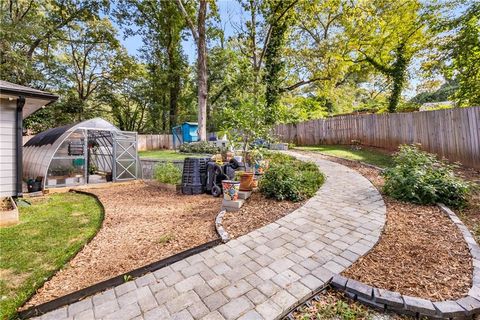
(154, 141)
(450, 133)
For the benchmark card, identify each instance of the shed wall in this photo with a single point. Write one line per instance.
(7, 147)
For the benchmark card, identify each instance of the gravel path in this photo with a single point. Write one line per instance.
(261, 274)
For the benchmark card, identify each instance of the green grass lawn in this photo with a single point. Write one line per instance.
(167, 155)
(366, 155)
(52, 230)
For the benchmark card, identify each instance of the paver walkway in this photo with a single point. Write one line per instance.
(261, 274)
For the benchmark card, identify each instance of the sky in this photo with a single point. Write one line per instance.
(230, 13)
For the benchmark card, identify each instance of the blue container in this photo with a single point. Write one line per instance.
(190, 131)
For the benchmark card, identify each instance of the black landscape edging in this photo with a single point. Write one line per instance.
(112, 282)
(385, 300)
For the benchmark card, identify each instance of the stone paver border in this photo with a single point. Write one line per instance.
(386, 300)
(219, 227)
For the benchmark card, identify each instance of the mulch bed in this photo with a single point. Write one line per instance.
(257, 212)
(420, 253)
(470, 215)
(143, 224)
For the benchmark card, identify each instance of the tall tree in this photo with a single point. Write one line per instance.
(199, 34)
(458, 56)
(160, 24)
(128, 93)
(280, 14)
(261, 40)
(387, 35)
(89, 51)
(31, 30)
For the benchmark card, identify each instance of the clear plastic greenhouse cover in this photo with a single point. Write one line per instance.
(91, 151)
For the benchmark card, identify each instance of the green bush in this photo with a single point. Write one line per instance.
(168, 173)
(419, 177)
(199, 147)
(290, 179)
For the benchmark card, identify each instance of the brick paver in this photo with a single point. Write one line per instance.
(263, 273)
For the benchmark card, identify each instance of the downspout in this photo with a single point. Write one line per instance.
(19, 145)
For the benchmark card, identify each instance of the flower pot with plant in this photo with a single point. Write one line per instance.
(246, 181)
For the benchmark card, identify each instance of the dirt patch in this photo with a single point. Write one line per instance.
(142, 225)
(420, 253)
(13, 280)
(257, 212)
(5, 204)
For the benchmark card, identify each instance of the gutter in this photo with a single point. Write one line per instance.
(19, 145)
(29, 94)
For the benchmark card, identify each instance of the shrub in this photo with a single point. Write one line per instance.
(290, 179)
(419, 177)
(168, 173)
(199, 147)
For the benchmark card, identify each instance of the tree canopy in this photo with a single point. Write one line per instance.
(279, 61)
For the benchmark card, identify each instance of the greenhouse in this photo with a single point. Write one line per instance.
(92, 151)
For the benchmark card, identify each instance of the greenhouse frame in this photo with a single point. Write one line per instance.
(92, 151)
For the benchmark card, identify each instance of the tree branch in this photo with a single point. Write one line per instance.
(269, 33)
(188, 20)
(302, 83)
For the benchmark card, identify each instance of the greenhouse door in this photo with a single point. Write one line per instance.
(125, 156)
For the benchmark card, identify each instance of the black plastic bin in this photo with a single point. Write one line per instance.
(194, 177)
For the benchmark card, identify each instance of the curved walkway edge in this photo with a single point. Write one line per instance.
(260, 275)
(385, 300)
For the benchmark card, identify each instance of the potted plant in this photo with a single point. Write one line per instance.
(230, 189)
(246, 181)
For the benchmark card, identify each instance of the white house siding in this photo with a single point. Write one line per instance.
(7, 147)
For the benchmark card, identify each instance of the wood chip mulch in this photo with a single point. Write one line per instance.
(143, 224)
(420, 253)
(257, 212)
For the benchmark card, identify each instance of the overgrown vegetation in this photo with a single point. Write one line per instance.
(290, 179)
(199, 147)
(333, 306)
(50, 233)
(420, 177)
(168, 173)
(166, 238)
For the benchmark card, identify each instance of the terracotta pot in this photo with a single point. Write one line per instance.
(230, 189)
(246, 181)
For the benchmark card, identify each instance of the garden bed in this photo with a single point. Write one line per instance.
(257, 212)
(143, 224)
(420, 253)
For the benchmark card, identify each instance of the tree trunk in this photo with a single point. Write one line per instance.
(398, 76)
(202, 72)
(174, 83)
